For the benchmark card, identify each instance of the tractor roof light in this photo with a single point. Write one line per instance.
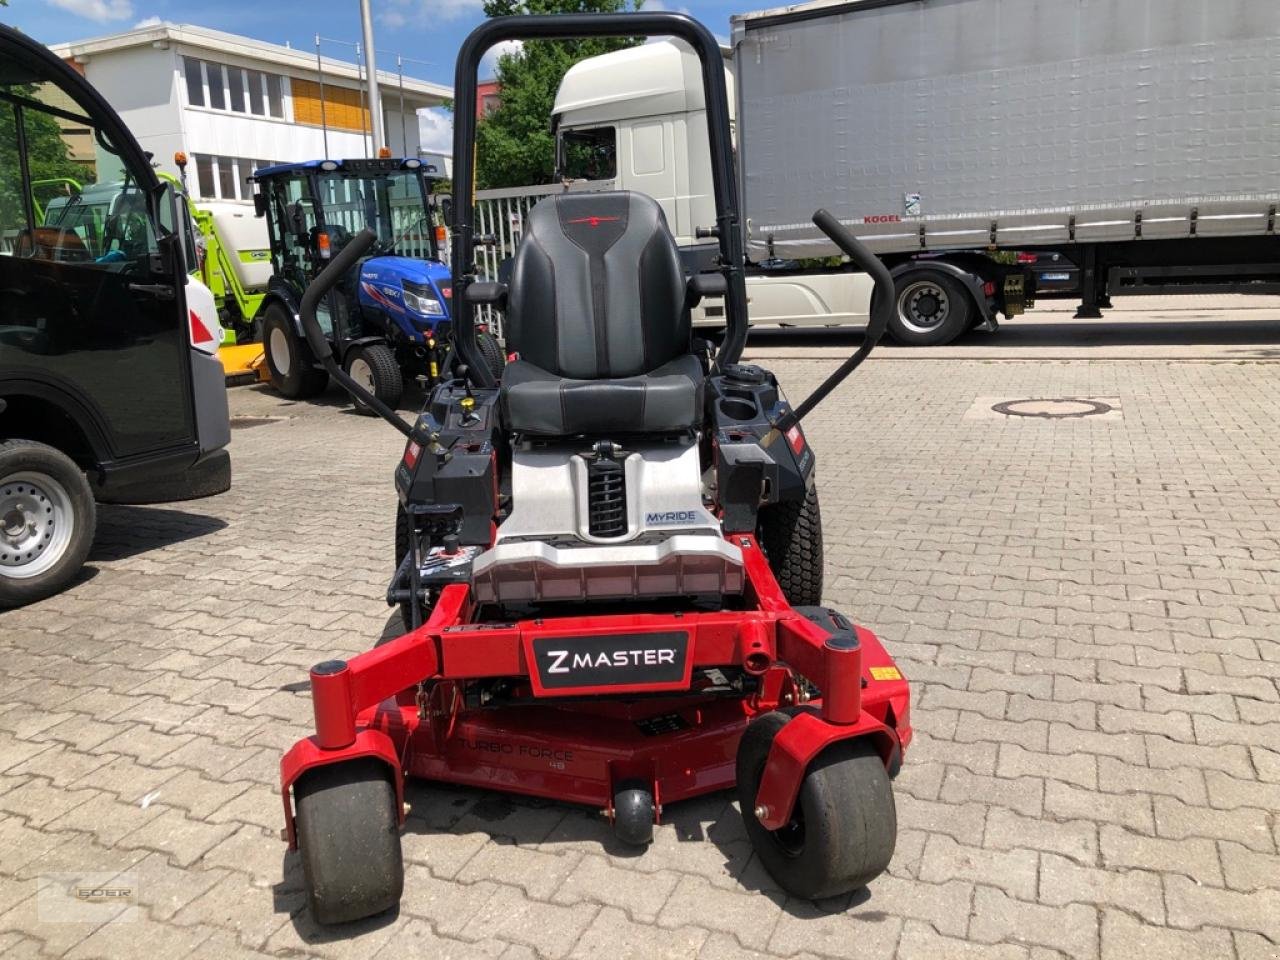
(328, 166)
(412, 164)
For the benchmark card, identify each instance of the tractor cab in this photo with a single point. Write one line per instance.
(389, 315)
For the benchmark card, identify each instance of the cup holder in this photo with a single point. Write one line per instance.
(735, 408)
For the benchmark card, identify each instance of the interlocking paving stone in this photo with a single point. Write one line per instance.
(1089, 613)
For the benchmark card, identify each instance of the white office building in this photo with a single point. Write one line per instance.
(231, 104)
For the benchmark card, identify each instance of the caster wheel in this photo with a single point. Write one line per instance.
(842, 831)
(633, 813)
(349, 840)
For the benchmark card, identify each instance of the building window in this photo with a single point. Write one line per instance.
(195, 81)
(275, 103)
(204, 174)
(255, 92)
(235, 89)
(217, 99)
(226, 178)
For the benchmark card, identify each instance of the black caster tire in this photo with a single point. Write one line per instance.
(633, 813)
(791, 534)
(289, 359)
(47, 521)
(349, 840)
(930, 309)
(374, 367)
(844, 827)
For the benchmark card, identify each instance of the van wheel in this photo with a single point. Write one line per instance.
(47, 520)
(374, 367)
(930, 308)
(289, 359)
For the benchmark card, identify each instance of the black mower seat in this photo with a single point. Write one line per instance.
(596, 310)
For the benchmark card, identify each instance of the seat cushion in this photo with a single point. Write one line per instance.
(539, 403)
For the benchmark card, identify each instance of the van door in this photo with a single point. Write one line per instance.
(91, 292)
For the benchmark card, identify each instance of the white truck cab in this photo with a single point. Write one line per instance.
(635, 119)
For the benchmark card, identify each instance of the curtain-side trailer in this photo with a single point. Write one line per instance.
(1134, 139)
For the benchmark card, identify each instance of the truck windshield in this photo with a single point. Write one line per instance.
(393, 205)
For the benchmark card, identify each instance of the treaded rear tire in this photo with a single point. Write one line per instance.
(791, 534)
(845, 825)
(494, 358)
(27, 457)
(349, 840)
(300, 380)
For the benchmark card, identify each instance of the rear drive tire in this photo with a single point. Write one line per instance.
(494, 358)
(931, 308)
(47, 521)
(844, 826)
(349, 840)
(289, 358)
(374, 367)
(791, 534)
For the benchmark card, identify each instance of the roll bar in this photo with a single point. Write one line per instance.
(574, 27)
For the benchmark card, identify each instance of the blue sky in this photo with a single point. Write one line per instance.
(418, 30)
(424, 30)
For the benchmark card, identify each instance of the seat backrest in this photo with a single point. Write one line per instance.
(597, 290)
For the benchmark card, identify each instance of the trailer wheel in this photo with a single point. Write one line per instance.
(791, 534)
(494, 358)
(289, 359)
(349, 840)
(931, 308)
(374, 367)
(47, 519)
(844, 826)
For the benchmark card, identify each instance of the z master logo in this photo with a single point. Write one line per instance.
(634, 658)
(670, 518)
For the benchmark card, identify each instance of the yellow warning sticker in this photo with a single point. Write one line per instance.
(885, 673)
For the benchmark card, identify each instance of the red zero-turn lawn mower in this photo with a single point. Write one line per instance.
(611, 561)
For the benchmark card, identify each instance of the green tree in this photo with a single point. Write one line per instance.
(48, 156)
(514, 147)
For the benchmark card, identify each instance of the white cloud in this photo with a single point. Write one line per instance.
(489, 62)
(100, 10)
(148, 22)
(651, 6)
(397, 13)
(435, 130)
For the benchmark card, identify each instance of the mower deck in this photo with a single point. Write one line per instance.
(556, 736)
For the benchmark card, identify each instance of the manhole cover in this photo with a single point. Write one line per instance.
(1056, 408)
(243, 423)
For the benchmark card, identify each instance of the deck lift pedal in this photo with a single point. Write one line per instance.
(610, 562)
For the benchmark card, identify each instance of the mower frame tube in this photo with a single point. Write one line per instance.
(579, 26)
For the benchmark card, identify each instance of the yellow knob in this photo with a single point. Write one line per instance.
(467, 403)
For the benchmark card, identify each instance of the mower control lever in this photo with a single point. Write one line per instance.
(355, 248)
(881, 310)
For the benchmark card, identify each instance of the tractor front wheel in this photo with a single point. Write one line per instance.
(844, 825)
(348, 832)
(374, 367)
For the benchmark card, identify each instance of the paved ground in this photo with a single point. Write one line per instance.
(1089, 610)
